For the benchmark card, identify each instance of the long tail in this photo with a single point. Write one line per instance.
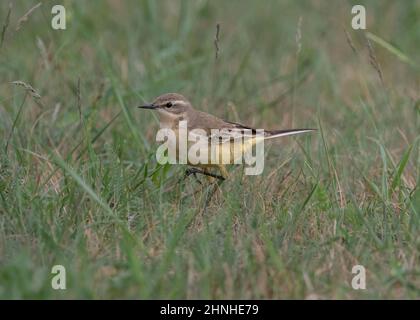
(281, 133)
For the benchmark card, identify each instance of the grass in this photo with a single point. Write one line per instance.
(80, 186)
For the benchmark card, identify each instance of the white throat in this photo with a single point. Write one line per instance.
(167, 120)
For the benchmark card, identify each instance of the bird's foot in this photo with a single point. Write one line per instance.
(194, 171)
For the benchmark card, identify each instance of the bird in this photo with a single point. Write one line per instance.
(174, 108)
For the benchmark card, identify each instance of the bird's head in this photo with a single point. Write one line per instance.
(170, 106)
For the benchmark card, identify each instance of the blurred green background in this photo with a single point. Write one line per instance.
(80, 186)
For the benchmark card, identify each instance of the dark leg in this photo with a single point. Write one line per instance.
(210, 194)
(194, 171)
(214, 185)
(189, 172)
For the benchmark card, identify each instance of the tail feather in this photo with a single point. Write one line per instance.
(281, 133)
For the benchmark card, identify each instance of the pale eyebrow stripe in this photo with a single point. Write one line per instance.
(178, 101)
(174, 102)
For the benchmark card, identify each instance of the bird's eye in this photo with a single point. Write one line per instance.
(169, 104)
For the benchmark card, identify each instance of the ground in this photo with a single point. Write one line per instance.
(80, 186)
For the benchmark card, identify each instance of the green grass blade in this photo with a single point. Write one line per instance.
(396, 179)
(88, 189)
(386, 45)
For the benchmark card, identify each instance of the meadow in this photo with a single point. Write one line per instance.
(80, 185)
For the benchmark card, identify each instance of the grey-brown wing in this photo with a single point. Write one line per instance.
(219, 130)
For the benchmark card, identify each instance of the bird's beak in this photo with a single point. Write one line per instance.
(148, 106)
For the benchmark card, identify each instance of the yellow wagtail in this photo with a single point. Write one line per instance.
(174, 109)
